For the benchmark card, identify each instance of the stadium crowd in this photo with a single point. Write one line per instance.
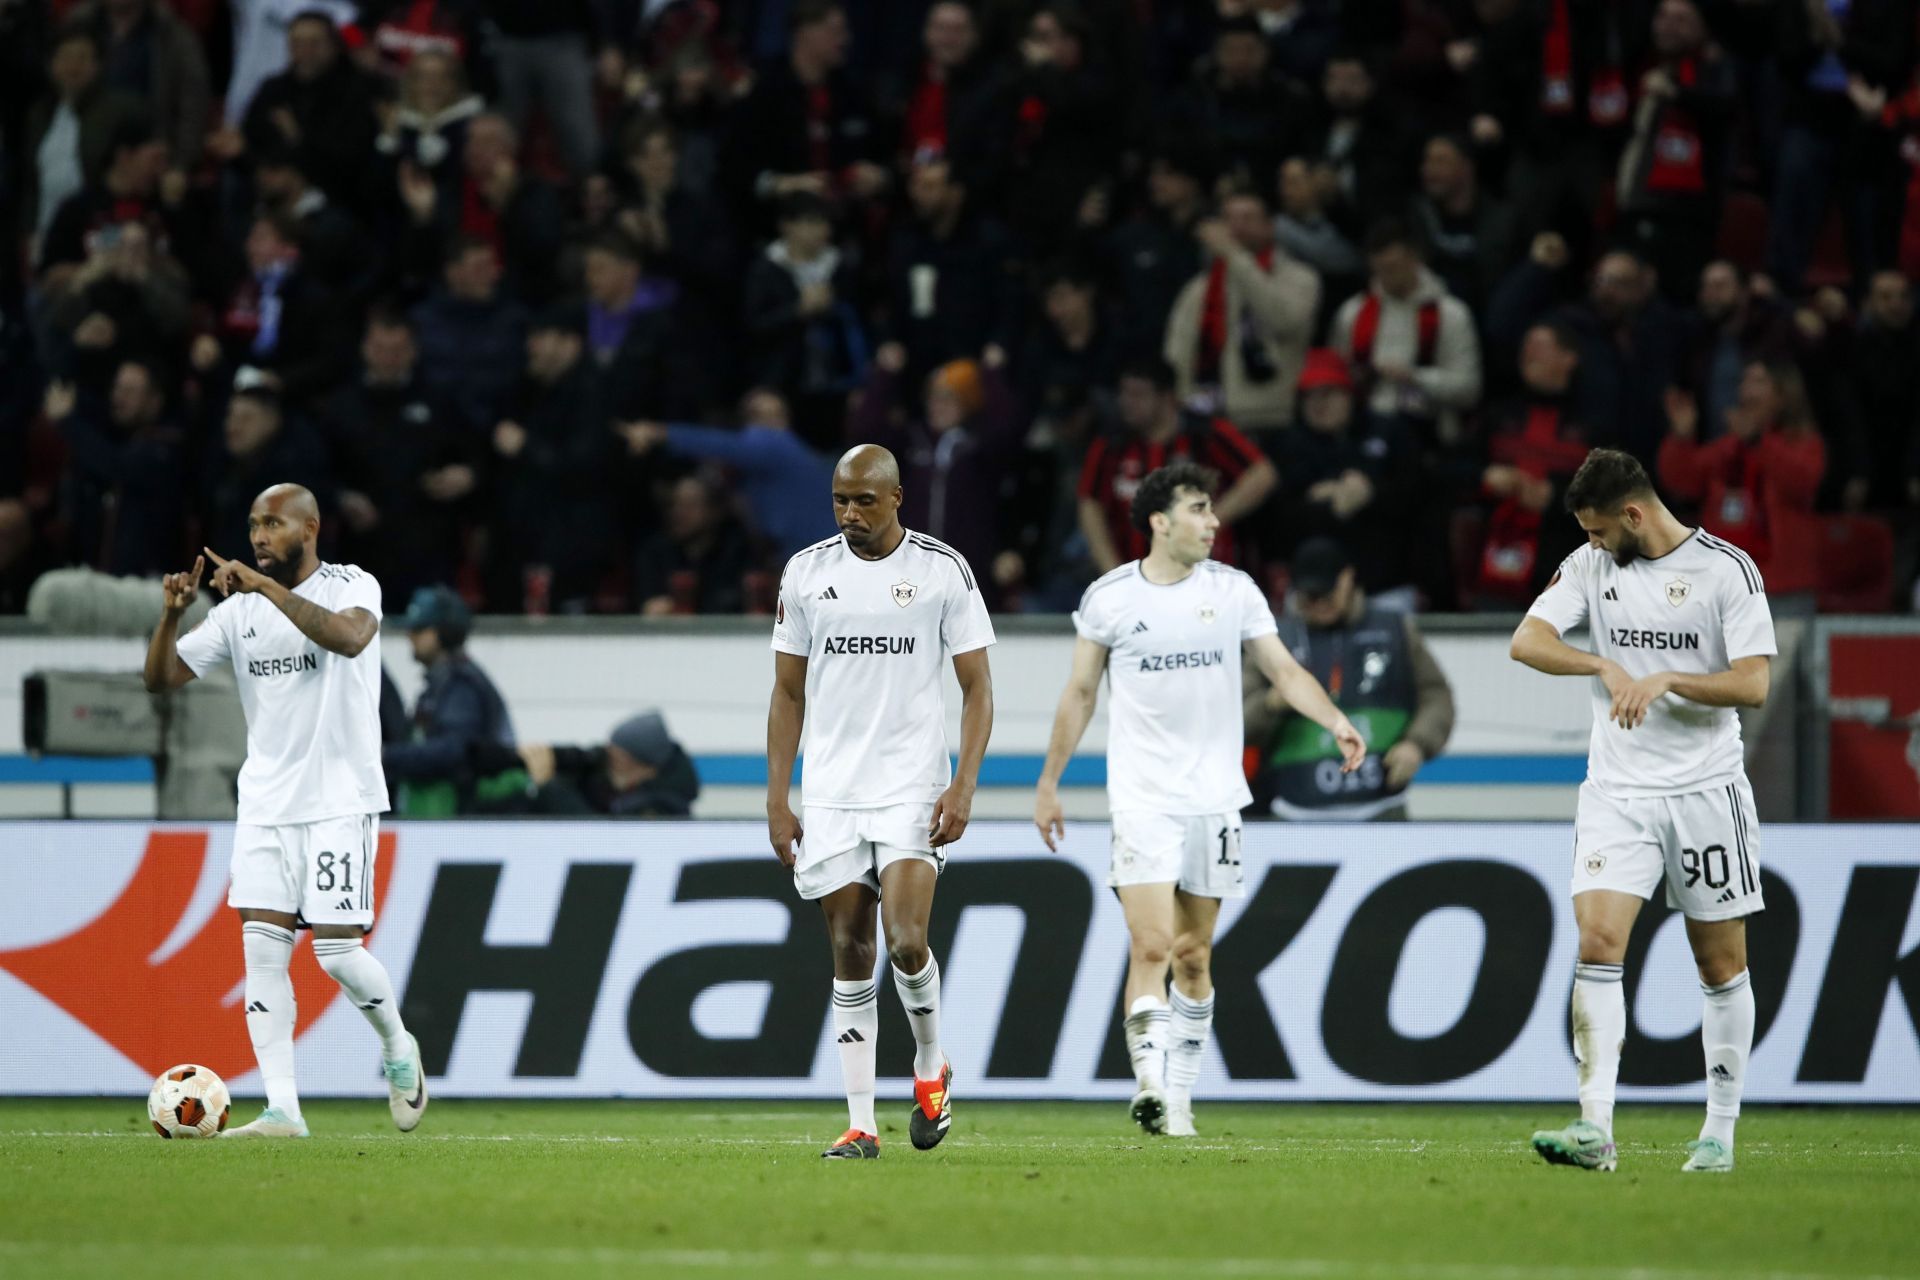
(571, 303)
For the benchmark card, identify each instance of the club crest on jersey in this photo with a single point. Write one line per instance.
(1677, 592)
(904, 592)
(1595, 863)
(1206, 613)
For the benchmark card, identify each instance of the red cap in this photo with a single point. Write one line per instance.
(1325, 367)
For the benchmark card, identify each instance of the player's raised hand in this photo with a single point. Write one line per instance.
(1353, 747)
(230, 577)
(178, 589)
(1050, 818)
(950, 815)
(783, 832)
(1631, 700)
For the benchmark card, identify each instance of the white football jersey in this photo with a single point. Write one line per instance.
(1175, 733)
(1693, 610)
(313, 716)
(877, 635)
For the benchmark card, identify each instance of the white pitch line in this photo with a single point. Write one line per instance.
(279, 1256)
(988, 1142)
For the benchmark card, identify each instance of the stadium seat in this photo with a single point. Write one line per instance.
(1742, 237)
(1855, 564)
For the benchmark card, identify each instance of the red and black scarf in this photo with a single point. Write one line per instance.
(1676, 165)
(1366, 328)
(1213, 316)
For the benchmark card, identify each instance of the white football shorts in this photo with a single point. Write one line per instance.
(840, 847)
(1198, 852)
(1705, 844)
(320, 871)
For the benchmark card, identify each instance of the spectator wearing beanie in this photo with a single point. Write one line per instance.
(954, 452)
(1348, 474)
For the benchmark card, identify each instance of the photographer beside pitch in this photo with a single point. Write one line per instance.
(1682, 636)
(304, 641)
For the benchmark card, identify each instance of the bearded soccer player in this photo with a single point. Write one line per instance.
(304, 641)
(1681, 637)
(863, 624)
(1167, 632)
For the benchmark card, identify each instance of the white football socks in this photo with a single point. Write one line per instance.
(1191, 1024)
(856, 1025)
(270, 1010)
(1726, 1032)
(364, 979)
(920, 996)
(1146, 1028)
(1599, 1029)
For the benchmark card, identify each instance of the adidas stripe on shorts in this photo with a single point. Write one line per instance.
(1704, 844)
(320, 871)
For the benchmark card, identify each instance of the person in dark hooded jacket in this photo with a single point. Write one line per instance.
(641, 772)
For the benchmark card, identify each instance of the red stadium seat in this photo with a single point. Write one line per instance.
(1742, 238)
(1856, 564)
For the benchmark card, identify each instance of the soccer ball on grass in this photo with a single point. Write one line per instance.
(188, 1101)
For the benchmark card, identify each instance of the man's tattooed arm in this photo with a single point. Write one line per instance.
(345, 633)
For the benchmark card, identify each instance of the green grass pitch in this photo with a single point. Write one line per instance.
(738, 1189)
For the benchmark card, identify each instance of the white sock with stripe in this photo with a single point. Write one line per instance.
(366, 982)
(1146, 1028)
(1726, 1032)
(920, 997)
(856, 1025)
(1192, 1023)
(1599, 1030)
(270, 1010)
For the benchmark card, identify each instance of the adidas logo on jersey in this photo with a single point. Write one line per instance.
(1725, 897)
(1610, 594)
(345, 904)
(852, 1036)
(828, 594)
(247, 634)
(1138, 627)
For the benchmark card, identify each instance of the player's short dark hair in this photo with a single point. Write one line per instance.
(1158, 492)
(1153, 368)
(1393, 233)
(1606, 480)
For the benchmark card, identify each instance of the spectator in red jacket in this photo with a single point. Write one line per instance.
(1756, 483)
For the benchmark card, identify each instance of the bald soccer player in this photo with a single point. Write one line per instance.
(864, 623)
(304, 641)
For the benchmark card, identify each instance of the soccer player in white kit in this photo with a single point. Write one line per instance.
(1681, 636)
(304, 641)
(863, 623)
(1167, 631)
